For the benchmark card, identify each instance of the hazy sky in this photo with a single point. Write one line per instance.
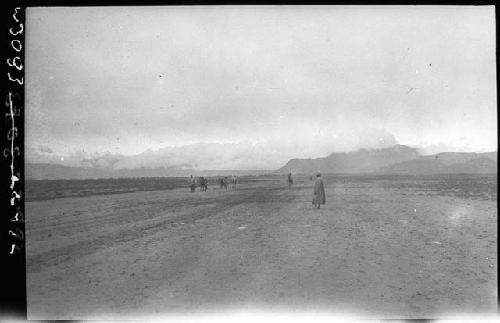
(305, 80)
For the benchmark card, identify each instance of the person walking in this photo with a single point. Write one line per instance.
(319, 192)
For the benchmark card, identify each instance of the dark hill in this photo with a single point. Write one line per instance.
(361, 161)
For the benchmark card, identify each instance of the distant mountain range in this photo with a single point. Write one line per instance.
(398, 159)
(361, 161)
(434, 165)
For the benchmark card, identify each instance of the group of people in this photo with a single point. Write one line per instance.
(224, 182)
(227, 183)
(203, 184)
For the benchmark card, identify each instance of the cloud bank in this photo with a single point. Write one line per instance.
(243, 155)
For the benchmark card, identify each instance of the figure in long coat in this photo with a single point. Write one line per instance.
(319, 192)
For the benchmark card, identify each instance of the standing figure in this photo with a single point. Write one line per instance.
(192, 183)
(221, 182)
(319, 192)
(290, 180)
(203, 184)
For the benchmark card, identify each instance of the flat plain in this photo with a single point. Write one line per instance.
(381, 247)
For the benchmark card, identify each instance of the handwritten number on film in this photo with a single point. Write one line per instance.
(10, 102)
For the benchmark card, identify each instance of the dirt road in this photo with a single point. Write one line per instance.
(372, 251)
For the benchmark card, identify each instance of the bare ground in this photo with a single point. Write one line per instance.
(375, 250)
